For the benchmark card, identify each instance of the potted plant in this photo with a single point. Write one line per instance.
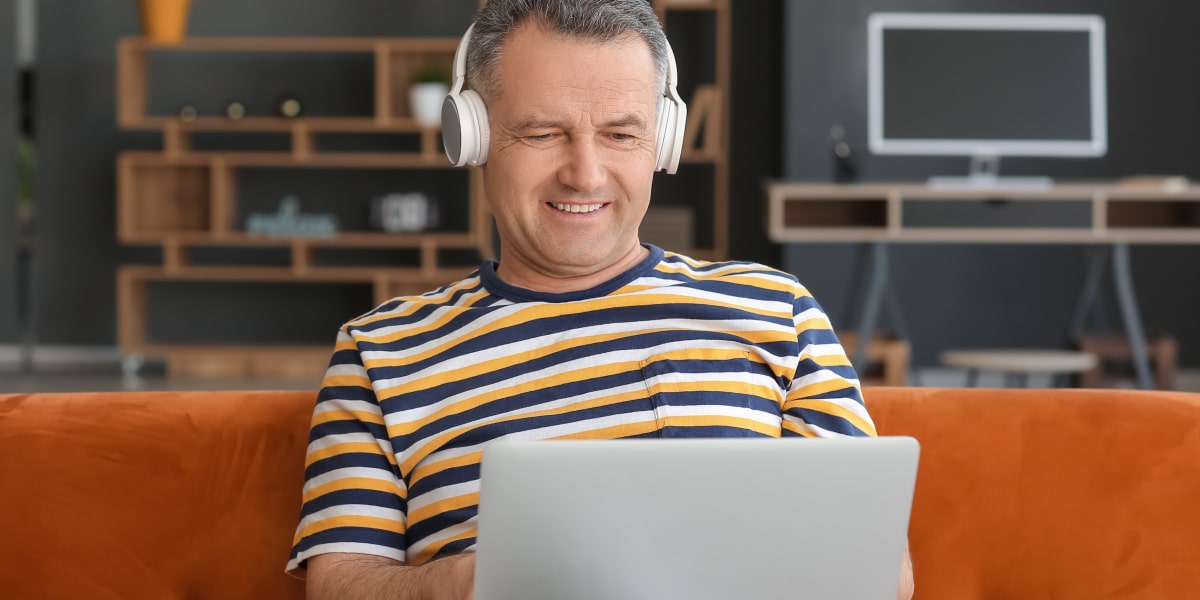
(429, 88)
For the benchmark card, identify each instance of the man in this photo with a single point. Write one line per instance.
(578, 331)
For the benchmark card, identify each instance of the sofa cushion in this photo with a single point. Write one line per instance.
(151, 494)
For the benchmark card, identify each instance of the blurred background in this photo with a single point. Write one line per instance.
(793, 74)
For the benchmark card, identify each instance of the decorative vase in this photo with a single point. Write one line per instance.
(426, 99)
(164, 20)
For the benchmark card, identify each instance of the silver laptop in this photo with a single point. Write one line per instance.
(695, 519)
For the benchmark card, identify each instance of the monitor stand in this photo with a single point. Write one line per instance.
(985, 176)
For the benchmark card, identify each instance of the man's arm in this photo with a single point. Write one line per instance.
(345, 576)
(905, 592)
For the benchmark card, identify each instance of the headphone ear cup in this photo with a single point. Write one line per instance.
(465, 128)
(670, 134)
(481, 130)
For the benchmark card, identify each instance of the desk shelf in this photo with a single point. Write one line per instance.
(802, 212)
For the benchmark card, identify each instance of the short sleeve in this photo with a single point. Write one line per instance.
(354, 499)
(824, 397)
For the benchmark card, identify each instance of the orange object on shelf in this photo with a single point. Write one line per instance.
(164, 20)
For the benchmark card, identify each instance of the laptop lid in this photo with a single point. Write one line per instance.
(702, 519)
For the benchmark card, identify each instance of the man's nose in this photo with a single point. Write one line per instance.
(582, 169)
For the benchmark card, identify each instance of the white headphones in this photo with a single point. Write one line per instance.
(465, 128)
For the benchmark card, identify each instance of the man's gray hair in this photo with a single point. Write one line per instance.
(594, 20)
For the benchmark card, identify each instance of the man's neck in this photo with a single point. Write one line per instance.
(522, 275)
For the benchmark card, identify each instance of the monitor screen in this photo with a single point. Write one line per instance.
(987, 84)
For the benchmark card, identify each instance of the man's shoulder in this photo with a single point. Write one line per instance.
(463, 293)
(743, 272)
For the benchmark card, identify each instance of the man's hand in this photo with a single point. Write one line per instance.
(362, 576)
(905, 592)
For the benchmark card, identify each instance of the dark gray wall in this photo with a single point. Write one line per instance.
(983, 295)
(8, 176)
(76, 250)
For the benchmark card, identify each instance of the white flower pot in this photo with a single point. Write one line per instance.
(426, 102)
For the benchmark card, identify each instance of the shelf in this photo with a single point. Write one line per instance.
(340, 240)
(288, 274)
(281, 124)
(822, 212)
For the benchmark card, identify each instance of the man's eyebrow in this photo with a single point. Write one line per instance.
(536, 123)
(631, 120)
(533, 123)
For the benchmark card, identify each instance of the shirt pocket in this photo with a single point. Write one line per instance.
(713, 394)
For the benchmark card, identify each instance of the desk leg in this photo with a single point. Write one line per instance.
(1088, 297)
(1129, 313)
(872, 303)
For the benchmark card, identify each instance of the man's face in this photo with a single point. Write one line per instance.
(571, 159)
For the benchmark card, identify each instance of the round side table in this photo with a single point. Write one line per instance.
(1018, 363)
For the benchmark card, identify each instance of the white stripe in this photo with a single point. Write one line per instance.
(542, 433)
(343, 404)
(818, 431)
(811, 313)
(347, 547)
(580, 365)
(328, 441)
(823, 350)
(346, 370)
(445, 492)
(850, 404)
(356, 510)
(710, 410)
(447, 533)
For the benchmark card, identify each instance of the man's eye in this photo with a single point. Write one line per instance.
(541, 137)
(624, 137)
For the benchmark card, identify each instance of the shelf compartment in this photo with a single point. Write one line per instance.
(836, 212)
(159, 199)
(1154, 214)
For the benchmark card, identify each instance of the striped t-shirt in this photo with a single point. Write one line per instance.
(672, 348)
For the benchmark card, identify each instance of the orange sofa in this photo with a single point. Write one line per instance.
(1027, 493)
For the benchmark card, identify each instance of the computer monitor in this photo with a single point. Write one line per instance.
(987, 86)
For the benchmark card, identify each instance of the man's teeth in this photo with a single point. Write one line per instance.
(577, 208)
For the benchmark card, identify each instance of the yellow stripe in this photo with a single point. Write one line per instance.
(423, 470)
(351, 521)
(542, 311)
(731, 387)
(347, 448)
(493, 365)
(478, 400)
(573, 407)
(827, 360)
(431, 550)
(820, 388)
(359, 381)
(443, 506)
(797, 429)
(814, 324)
(355, 483)
(832, 409)
(613, 432)
(723, 421)
(330, 416)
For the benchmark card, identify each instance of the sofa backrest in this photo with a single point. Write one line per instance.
(1051, 493)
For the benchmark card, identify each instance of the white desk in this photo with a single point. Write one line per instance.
(874, 213)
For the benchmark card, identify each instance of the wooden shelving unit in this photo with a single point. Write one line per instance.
(183, 199)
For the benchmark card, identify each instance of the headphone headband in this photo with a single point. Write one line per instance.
(466, 131)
